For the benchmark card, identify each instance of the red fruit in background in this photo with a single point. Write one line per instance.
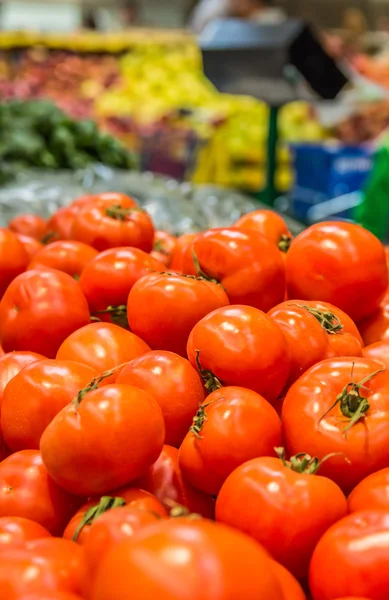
(60, 224)
(291, 588)
(39, 310)
(270, 224)
(26, 490)
(371, 493)
(31, 245)
(182, 254)
(315, 267)
(164, 246)
(13, 258)
(29, 224)
(16, 530)
(375, 327)
(12, 363)
(378, 352)
(69, 256)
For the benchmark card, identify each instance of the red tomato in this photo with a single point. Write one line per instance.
(163, 308)
(112, 528)
(291, 588)
(315, 331)
(12, 363)
(51, 596)
(164, 246)
(68, 256)
(315, 267)
(378, 352)
(242, 346)
(31, 225)
(289, 498)
(13, 258)
(103, 440)
(39, 310)
(108, 279)
(232, 426)
(340, 405)
(31, 245)
(270, 224)
(173, 383)
(102, 346)
(80, 524)
(245, 263)
(171, 561)
(49, 386)
(371, 493)
(359, 547)
(26, 490)
(165, 480)
(375, 327)
(109, 223)
(16, 530)
(182, 253)
(60, 225)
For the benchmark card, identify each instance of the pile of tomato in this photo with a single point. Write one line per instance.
(203, 417)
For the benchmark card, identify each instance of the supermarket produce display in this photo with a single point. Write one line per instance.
(155, 375)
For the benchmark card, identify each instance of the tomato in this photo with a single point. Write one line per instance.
(29, 224)
(315, 331)
(49, 385)
(26, 490)
(112, 528)
(13, 257)
(232, 426)
(164, 246)
(378, 352)
(39, 310)
(108, 223)
(103, 440)
(51, 596)
(315, 267)
(171, 560)
(270, 224)
(80, 524)
(173, 383)
(245, 263)
(182, 254)
(102, 346)
(108, 279)
(60, 224)
(340, 405)
(375, 327)
(163, 308)
(242, 346)
(359, 547)
(371, 493)
(291, 588)
(12, 363)
(68, 256)
(289, 498)
(166, 482)
(31, 245)
(16, 530)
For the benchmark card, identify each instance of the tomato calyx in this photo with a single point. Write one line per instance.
(304, 463)
(160, 247)
(201, 275)
(106, 503)
(177, 510)
(118, 314)
(352, 405)
(330, 322)
(94, 384)
(285, 242)
(211, 382)
(119, 213)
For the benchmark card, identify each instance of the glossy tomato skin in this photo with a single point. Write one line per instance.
(163, 308)
(102, 346)
(291, 588)
(240, 567)
(248, 266)
(308, 341)
(14, 258)
(166, 482)
(39, 310)
(239, 425)
(164, 246)
(375, 327)
(274, 497)
(68, 256)
(307, 427)
(243, 347)
(315, 267)
(371, 493)
(49, 386)
(12, 363)
(378, 352)
(17, 530)
(109, 278)
(96, 225)
(31, 245)
(267, 222)
(358, 546)
(173, 383)
(182, 254)
(133, 497)
(26, 490)
(114, 434)
(29, 224)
